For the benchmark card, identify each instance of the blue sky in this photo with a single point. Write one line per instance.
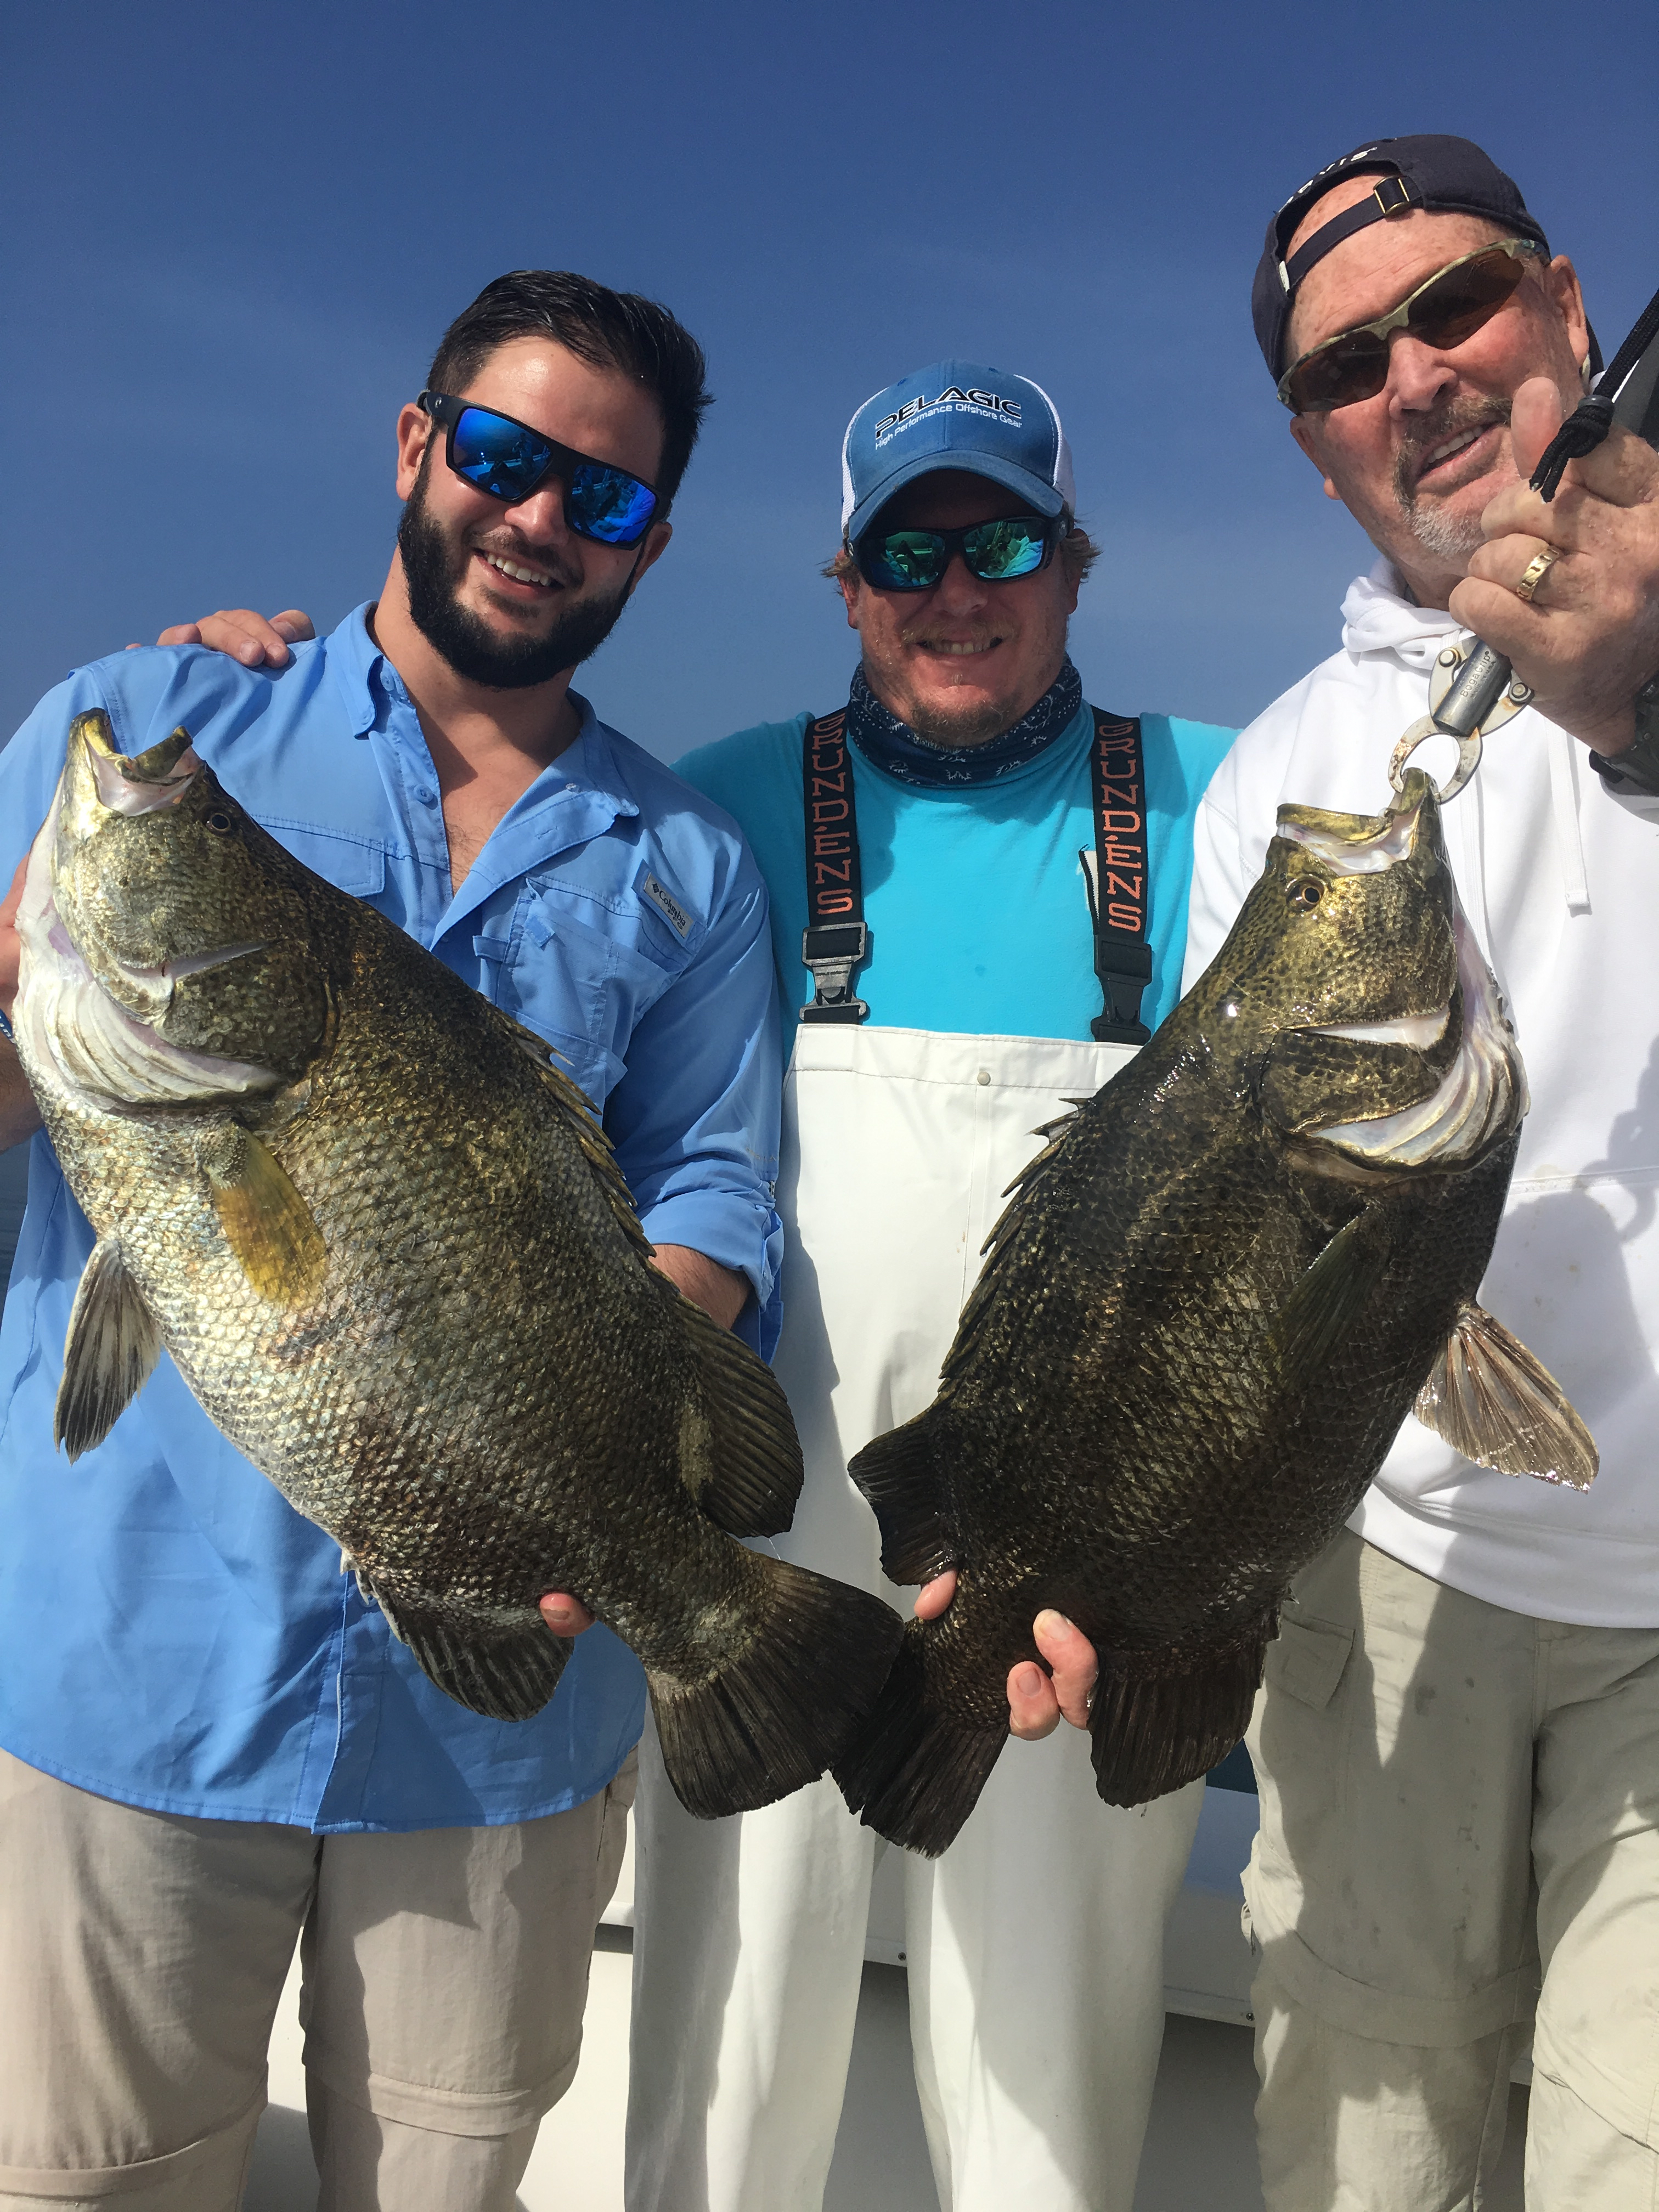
(232, 235)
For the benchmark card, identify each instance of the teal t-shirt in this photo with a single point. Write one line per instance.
(974, 896)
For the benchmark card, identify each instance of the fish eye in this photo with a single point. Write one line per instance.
(1305, 893)
(218, 822)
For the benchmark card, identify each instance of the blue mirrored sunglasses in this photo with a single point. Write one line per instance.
(495, 454)
(995, 552)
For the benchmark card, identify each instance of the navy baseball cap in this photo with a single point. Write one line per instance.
(1447, 176)
(956, 415)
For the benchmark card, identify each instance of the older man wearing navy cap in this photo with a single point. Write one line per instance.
(1458, 1737)
(965, 940)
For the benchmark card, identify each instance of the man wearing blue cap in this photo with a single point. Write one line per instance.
(979, 890)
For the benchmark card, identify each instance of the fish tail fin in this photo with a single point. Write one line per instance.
(915, 1771)
(1162, 1718)
(902, 1475)
(507, 1673)
(771, 1717)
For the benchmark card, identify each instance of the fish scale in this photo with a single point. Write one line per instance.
(399, 1269)
(1203, 1318)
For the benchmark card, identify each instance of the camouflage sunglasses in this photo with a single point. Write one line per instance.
(1447, 308)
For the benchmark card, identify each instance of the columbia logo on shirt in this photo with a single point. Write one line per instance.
(666, 905)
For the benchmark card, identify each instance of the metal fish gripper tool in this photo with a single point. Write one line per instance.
(1472, 692)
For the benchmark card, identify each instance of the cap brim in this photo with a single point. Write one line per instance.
(1041, 498)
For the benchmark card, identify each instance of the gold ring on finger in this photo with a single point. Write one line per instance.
(1534, 572)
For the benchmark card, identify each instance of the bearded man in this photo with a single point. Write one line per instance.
(212, 1748)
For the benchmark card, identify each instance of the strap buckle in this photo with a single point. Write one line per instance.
(832, 950)
(1125, 970)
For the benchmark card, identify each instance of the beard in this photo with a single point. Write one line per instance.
(950, 721)
(974, 723)
(1448, 536)
(433, 569)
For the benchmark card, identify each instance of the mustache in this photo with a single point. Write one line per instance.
(1420, 438)
(508, 545)
(923, 633)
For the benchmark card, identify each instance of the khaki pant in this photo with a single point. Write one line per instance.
(141, 1956)
(1460, 1823)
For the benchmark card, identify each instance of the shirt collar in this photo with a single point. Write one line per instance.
(889, 743)
(354, 663)
(587, 765)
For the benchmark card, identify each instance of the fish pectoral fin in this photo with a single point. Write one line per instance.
(267, 1225)
(1494, 1402)
(506, 1674)
(900, 1475)
(1330, 1297)
(739, 1454)
(114, 1342)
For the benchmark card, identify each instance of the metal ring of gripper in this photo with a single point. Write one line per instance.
(1470, 693)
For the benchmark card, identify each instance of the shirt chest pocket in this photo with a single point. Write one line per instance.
(584, 991)
(348, 863)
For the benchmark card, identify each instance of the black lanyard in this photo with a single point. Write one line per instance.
(835, 939)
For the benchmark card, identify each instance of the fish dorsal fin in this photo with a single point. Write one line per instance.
(1021, 1196)
(1494, 1402)
(113, 1343)
(575, 1111)
(1328, 1299)
(739, 1454)
(267, 1225)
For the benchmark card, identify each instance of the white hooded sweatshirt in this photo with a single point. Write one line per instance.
(1560, 881)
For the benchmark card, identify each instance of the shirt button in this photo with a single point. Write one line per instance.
(426, 795)
(984, 1075)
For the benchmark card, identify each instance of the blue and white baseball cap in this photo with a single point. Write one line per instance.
(956, 415)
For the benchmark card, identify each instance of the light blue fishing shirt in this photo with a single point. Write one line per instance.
(973, 894)
(172, 1633)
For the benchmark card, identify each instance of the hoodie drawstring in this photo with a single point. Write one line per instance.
(1569, 829)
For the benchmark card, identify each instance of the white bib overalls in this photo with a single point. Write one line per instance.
(1035, 1944)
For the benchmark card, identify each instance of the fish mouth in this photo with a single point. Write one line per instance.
(123, 792)
(69, 1023)
(1360, 845)
(1481, 1097)
(145, 784)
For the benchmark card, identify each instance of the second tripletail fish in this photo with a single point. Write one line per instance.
(387, 1245)
(1212, 1301)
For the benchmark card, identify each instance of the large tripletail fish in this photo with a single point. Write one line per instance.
(1212, 1301)
(390, 1252)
